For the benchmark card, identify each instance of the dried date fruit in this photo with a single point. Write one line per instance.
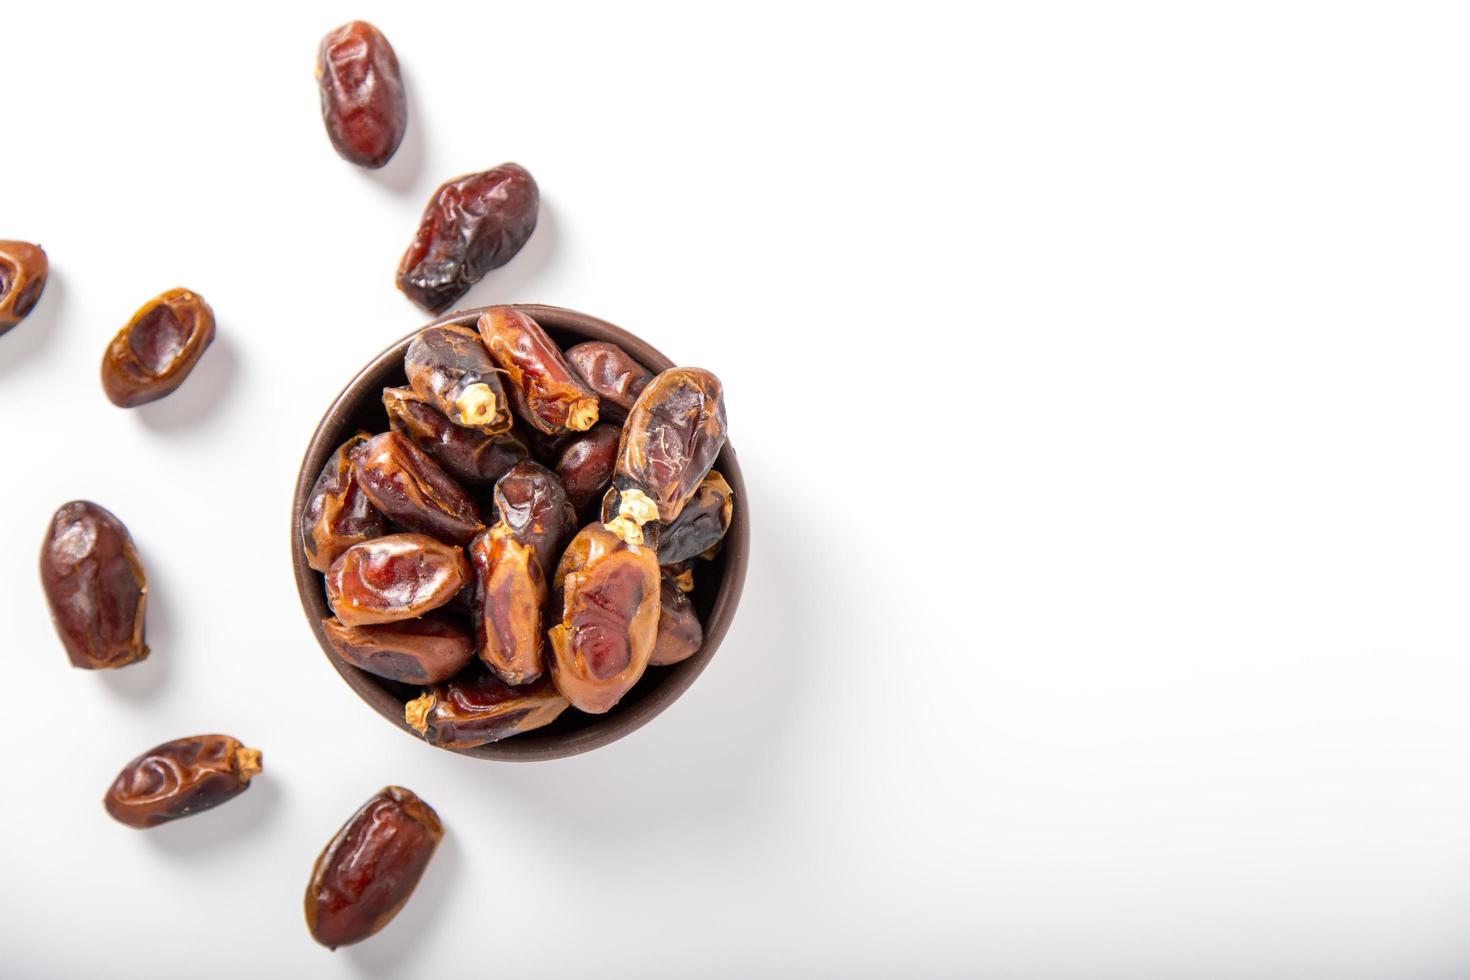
(338, 514)
(154, 353)
(473, 224)
(412, 490)
(701, 525)
(370, 868)
(543, 388)
(680, 634)
(363, 105)
(415, 651)
(451, 369)
(23, 271)
(585, 465)
(179, 779)
(606, 608)
(469, 456)
(681, 574)
(546, 449)
(612, 374)
(510, 595)
(395, 577)
(481, 708)
(531, 501)
(95, 586)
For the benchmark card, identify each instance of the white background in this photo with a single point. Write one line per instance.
(1102, 383)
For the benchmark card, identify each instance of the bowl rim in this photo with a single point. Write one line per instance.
(530, 747)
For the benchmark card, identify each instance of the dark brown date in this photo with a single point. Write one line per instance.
(586, 463)
(363, 105)
(412, 490)
(154, 353)
(533, 504)
(481, 708)
(23, 271)
(544, 448)
(415, 651)
(681, 574)
(680, 634)
(450, 368)
(612, 374)
(179, 779)
(370, 868)
(670, 441)
(473, 224)
(95, 586)
(469, 456)
(396, 577)
(338, 514)
(701, 525)
(606, 608)
(543, 388)
(510, 594)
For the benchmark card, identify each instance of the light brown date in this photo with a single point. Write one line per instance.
(701, 525)
(542, 386)
(95, 586)
(414, 491)
(179, 779)
(612, 374)
(510, 594)
(23, 271)
(450, 368)
(467, 455)
(395, 577)
(586, 463)
(479, 708)
(414, 651)
(338, 514)
(154, 353)
(680, 634)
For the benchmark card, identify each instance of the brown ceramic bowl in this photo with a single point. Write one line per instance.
(717, 583)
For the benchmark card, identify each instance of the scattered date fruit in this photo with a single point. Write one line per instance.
(363, 105)
(23, 271)
(179, 779)
(154, 353)
(95, 586)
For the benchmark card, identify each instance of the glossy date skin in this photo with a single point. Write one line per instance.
(363, 104)
(535, 507)
(338, 514)
(510, 595)
(585, 464)
(395, 577)
(473, 224)
(370, 868)
(23, 271)
(154, 353)
(450, 368)
(612, 374)
(481, 708)
(471, 457)
(680, 634)
(701, 525)
(542, 386)
(414, 651)
(412, 490)
(95, 587)
(179, 779)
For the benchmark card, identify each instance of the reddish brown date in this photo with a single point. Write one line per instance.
(338, 514)
(482, 708)
(533, 504)
(412, 490)
(154, 353)
(415, 651)
(543, 388)
(23, 271)
(95, 586)
(469, 456)
(680, 634)
(612, 374)
(473, 224)
(396, 577)
(370, 868)
(510, 594)
(701, 525)
(363, 105)
(179, 779)
(585, 465)
(606, 609)
(450, 368)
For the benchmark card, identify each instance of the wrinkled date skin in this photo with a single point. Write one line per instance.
(338, 514)
(473, 224)
(510, 594)
(606, 607)
(586, 463)
(363, 105)
(451, 369)
(701, 525)
(680, 634)
(392, 578)
(370, 868)
(612, 374)
(542, 386)
(179, 779)
(534, 505)
(95, 586)
(482, 708)
(467, 455)
(670, 441)
(412, 490)
(154, 353)
(23, 271)
(415, 651)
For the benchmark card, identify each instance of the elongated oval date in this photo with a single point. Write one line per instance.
(371, 867)
(338, 514)
(95, 586)
(23, 271)
(543, 388)
(606, 609)
(414, 491)
(670, 441)
(451, 369)
(585, 465)
(154, 353)
(480, 708)
(680, 634)
(534, 505)
(612, 374)
(473, 224)
(395, 577)
(363, 105)
(179, 779)
(701, 525)
(414, 651)
(468, 455)
(510, 596)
